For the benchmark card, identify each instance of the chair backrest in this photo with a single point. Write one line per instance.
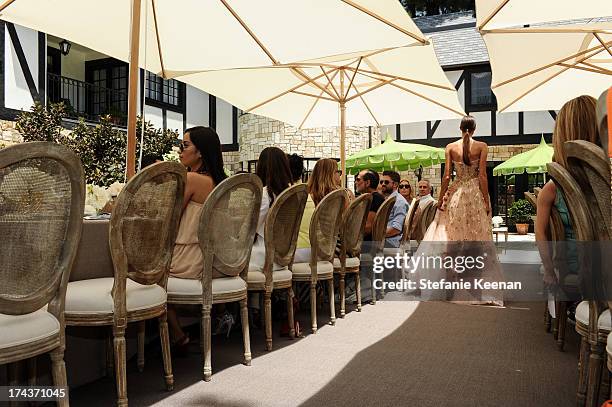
(428, 214)
(353, 225)
(42, 195)
(410, 216)
(584, 228)
(381, 219)
(228, 225)
(325, 225)
(283, 225)
(532, 198)
(143, 226)
(590, 167)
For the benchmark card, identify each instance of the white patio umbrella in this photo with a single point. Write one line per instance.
(166, 36)
(393, 85)
(495, 14)
(541, 56)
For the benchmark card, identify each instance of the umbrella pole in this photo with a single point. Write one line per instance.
(132, 89)
(342, 142)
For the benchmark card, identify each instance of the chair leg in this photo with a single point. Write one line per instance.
(313, 306)
(605, 385)
(594, 379)
(58, 371)
(164, 336)
(120, 368)
(332, 303)
(342, 295)
(547, 322)
(244, 319)
(358, 290)
(582, 371)
(373, 302)
(110, 354)
(141, 346)
(562, 318)
(290, 316)
(205, 340)
(32, 371)
(268, 318)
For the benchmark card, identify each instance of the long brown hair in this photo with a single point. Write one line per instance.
(273, 170)
(404, 180)
(321, 182)
(467, 127)
(577, 120)
(207, 142)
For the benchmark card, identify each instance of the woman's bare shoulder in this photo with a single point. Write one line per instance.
(198, 179)
(548, 193)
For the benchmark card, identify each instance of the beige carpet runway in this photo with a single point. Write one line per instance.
(396, 353)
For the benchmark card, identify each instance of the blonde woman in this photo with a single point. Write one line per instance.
(405, 190)
(324, 179)
(577, 120)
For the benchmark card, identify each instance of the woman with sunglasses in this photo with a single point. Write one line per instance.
(405, 190)
(200, 152)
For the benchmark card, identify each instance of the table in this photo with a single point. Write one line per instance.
(93, 258)
(497, 231)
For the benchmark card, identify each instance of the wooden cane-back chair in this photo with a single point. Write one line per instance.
(427, 216)
(590, 167)
(351, 237)
(142, 232)
(280, 237)
(408, 223)
(379, 233)
(42, 195)
(226, 233)
(323, 235)
(592, 323)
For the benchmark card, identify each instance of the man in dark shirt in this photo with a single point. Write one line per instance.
(367, 182)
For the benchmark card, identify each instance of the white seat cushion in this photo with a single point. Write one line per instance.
(582, 316)
(20, 329)
(256, 276)
(323, 267)
(609, 345)
(392, 251)
(351, 262)
(94, 296)
(189, 286)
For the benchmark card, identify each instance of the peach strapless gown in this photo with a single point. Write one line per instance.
(463, 228)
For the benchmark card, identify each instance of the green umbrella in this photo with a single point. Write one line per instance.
(392, 155)
(533, 161)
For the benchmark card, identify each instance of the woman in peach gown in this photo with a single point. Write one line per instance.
(462, 225)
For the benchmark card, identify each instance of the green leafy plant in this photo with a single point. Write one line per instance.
(521, 211)
(102, 148)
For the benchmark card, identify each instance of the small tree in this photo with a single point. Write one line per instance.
(102, 148)
(521, 211)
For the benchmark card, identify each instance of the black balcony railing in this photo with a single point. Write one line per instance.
(86, 100)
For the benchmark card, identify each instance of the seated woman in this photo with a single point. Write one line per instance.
(577, 120)
(201, 154)
(405, 190)
(324, 179)
(275, 174)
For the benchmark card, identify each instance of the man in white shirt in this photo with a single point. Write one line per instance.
(424, 193)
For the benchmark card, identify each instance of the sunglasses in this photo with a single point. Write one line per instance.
(384, 182)
(404, 186)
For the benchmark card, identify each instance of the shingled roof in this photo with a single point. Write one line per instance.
(455, 38)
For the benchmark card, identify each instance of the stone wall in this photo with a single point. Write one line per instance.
(257, 133)
(8, 133)
(231, 161)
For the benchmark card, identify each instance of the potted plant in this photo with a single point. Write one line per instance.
(520, 213)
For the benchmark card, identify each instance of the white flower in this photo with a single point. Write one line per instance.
(497, 220)
(96, 197)
(115, 189)
(172, 155)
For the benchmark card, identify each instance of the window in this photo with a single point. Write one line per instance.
(163, 91)
(107, 89)
(479, 94)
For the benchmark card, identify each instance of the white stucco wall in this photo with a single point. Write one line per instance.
(197, 107)
(174, 121)
(224, 121)
(16, 92)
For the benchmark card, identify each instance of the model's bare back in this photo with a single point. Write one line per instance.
(456, 150)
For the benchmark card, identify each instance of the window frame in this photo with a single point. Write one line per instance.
(179, 108)
(475, 107)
